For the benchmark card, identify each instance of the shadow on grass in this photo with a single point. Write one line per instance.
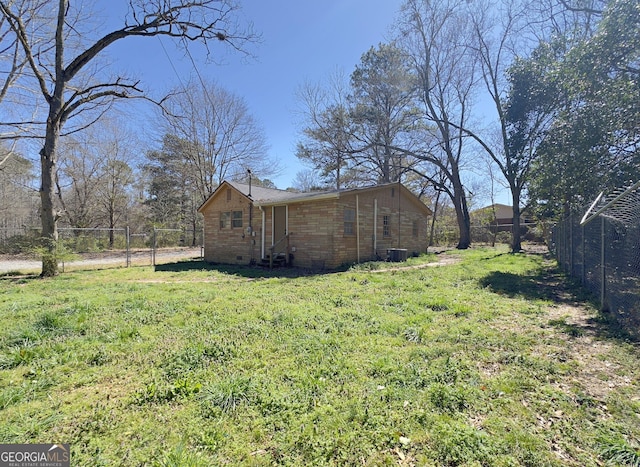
(552, 285)
(604, 325)
(547, 282)
(531, 287)
(17, 277)
(250, 272)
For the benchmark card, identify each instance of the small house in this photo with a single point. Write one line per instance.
(500, 217)
(318, 230)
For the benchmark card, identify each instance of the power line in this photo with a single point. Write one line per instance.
(171, 62)
(204, 87)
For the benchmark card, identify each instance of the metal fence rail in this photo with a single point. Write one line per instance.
(602, 249)
(102, 246)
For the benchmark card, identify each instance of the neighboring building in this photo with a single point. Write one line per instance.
(500, 217)
(318, 230)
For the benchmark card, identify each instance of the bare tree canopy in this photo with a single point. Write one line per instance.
(327, 143)
(95, 177)
(221, 139)
(435, 36)
(63, 81)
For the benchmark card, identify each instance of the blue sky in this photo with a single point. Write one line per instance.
(302, 40)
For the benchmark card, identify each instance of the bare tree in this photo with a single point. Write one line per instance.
(498, 34)
(76, 181)
(435, 34)
(116, 148)
(69, 87)
(18, 198)
(113, 190)
(307, 180)
(222, 139)
(522, 96)
(327, 143)
(12, 64)
(565, 15)
(14, 59)
(96, 175)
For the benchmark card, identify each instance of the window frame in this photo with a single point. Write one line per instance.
(349, 219)
(386, 226)
(236, 219)
(225, 220)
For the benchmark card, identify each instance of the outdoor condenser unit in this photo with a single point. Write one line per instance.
(397, 255)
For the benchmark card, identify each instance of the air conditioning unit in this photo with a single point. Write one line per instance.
(397, 255)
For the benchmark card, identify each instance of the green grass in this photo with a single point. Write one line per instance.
(493, 360)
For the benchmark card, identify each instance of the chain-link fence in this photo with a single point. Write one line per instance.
(602, 249)
(17, 236)
(93, 247)
(488, 234)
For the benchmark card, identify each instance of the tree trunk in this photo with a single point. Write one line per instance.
(464, 225)
(194, 224)
(49, 154)
(433, 219)
(462, 216)
(112, 225)
(516, 231)
(48, 215)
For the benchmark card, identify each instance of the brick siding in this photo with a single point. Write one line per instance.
(316, 229)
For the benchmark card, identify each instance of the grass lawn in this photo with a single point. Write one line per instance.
(488, 359)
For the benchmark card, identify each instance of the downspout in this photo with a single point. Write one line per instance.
(375, 227)
(262, 234)
(286, 232)
(252, 241)
(399, 216)
(250, 231)
(358, 228)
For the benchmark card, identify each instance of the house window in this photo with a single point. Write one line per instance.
(349, 221)
(386, 224)
(236, 219)
(224, 220)
(415, 228)
(228, 194)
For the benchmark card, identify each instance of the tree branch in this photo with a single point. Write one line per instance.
(16, 24)
(570, 7)
(153, 24)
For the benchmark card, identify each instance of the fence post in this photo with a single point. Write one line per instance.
(583, 274)
(153, 248)
(571, 245)
(562, 250)
(128, 245)
(567, 253)
(603, 272)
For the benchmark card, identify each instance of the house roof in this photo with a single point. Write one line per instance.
(261, 196)
(501, 211)
(495, 205)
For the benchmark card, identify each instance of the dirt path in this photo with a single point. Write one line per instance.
(442, 261)
(583, 341)
(581, 335)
